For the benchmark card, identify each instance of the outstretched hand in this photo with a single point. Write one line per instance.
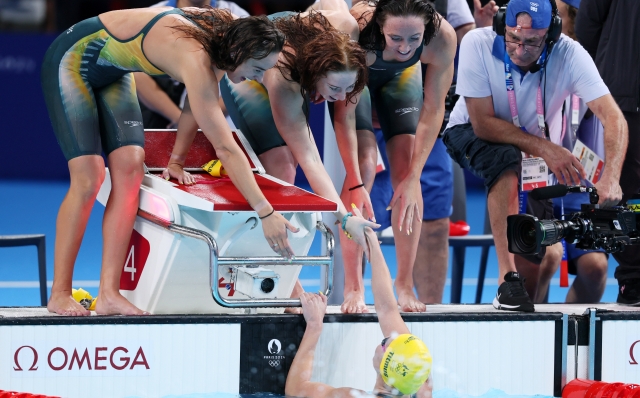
(314, 306)
(176, 171)
(275, 228)
(406, 201)
(360, 197)
(357, 227)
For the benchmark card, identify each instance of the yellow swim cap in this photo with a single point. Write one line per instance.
(215, 168)
(406, 364)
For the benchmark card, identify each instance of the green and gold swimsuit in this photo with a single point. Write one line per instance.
(89, 88)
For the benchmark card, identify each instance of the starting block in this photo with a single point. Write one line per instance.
(200, 249)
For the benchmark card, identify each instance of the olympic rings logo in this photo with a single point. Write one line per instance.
(274, 363)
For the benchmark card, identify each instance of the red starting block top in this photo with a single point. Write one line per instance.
(220, 191)
(284, 198)
(158, 145)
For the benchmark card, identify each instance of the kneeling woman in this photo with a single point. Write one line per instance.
(91, 98)
(319, 62)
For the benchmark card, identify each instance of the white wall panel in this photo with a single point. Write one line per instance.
(621, 363)
(181, 359)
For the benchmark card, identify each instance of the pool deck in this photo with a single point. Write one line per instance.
(441, 309)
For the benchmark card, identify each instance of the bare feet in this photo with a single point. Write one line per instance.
(116, 304)
(409, 303)
(62, 303)
(353, 303)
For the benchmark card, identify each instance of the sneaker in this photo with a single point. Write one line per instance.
(512, 295)
(629, 291)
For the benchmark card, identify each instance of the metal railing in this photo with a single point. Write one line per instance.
(215, 262)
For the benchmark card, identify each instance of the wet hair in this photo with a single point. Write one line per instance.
(315, 48)
(231, 42)
(371, 37)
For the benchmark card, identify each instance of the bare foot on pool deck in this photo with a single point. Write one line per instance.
(353, 303)
(408, 302)
(63, 304)
(116, 305)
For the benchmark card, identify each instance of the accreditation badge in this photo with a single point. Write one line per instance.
(534, 174)
(592, 163)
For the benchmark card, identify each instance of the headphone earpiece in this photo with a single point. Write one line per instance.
(555, 27)
(499, 22)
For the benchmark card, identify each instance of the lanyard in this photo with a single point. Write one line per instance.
(511, 94)
(575, 113)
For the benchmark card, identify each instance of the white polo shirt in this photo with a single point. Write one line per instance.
(459, 13)
(569, 70)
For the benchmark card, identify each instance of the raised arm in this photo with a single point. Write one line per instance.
(299, 382)
(391, 322)
(385, 301)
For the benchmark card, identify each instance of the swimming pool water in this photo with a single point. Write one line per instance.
(444, 393)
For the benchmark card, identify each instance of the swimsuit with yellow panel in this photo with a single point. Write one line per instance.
(89, 88)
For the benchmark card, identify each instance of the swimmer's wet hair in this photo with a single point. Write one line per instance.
(371, 37)
(231, 42)
(314, 48)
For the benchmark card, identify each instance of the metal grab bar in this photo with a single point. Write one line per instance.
(215, 262)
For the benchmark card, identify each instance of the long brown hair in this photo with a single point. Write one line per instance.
(371, 37)
(231, 42)
(315, 48)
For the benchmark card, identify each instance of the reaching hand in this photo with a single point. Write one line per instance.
(563, 164)
(314, 306)
(408, 195)
(484, 15)
(357, 228)
(360, 197)
(176, 171)
(275, 229)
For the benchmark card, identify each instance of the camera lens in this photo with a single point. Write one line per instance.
(525, 239)
(267, 285)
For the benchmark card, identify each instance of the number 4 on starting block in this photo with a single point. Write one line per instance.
(139, 249)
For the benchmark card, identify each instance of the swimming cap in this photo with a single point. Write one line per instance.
(406, 364)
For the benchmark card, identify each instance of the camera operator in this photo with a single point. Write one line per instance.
(512, 88)
(589, 266)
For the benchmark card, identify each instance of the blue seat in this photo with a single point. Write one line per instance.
(460, 243)
(39, 242)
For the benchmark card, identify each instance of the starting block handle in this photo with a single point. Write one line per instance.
(215, 261)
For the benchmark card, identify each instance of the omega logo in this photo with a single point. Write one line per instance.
(60, 359)
(633, 359)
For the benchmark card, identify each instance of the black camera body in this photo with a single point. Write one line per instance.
(610, 229)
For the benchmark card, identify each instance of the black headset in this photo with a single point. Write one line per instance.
(555, 27)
